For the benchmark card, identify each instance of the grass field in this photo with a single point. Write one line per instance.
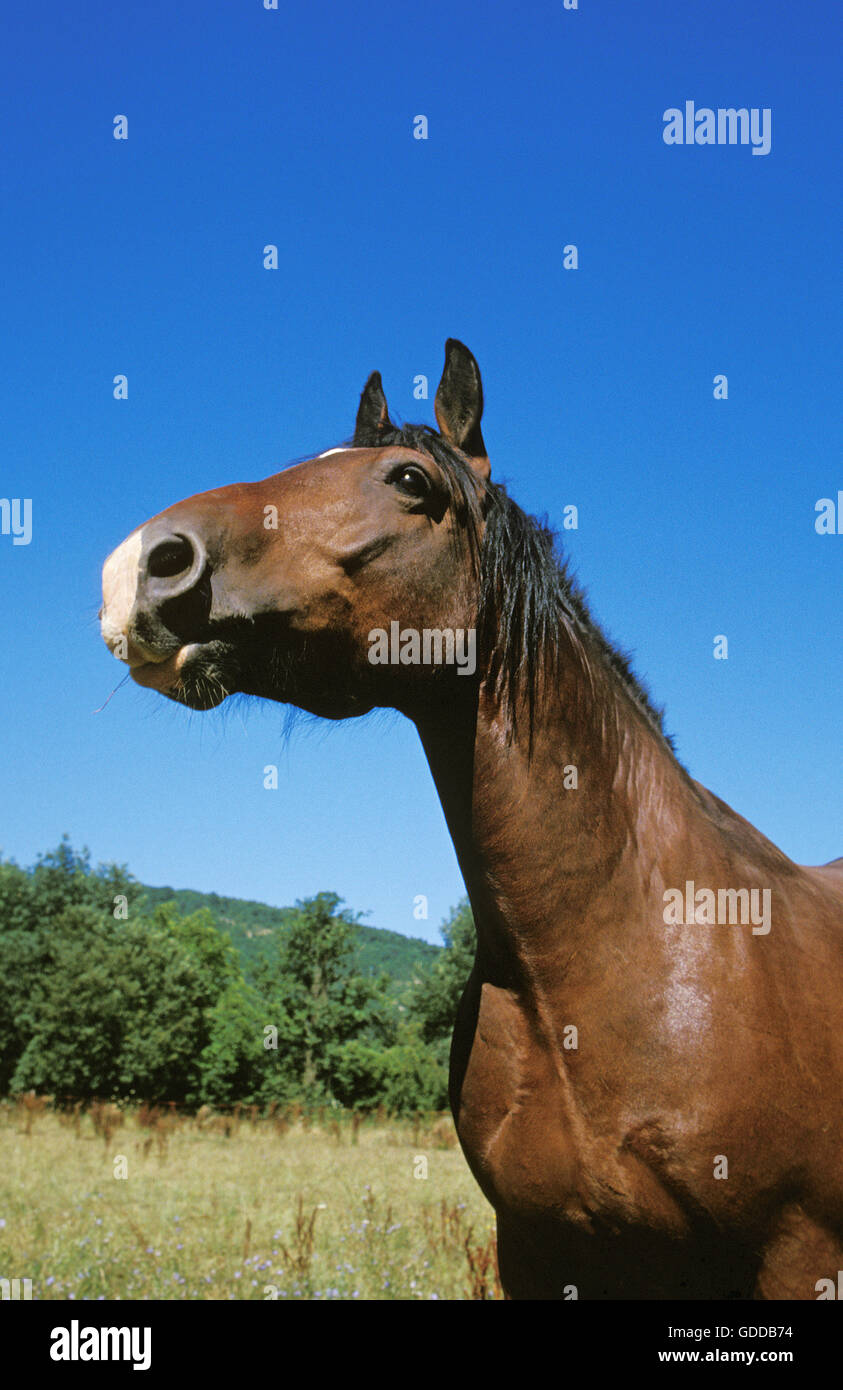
(239, 1206)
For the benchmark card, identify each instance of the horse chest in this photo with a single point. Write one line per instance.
(515, 1117)
(527, 1142)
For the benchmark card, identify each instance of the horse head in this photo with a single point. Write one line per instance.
(274, 588)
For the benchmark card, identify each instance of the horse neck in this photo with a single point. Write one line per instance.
(542, 860)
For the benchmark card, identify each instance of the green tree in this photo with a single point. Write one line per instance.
(23, 957)
(63, 877)
(321, 1002)
(74, 1021)
(434, 1000)
(43, 910)
(214, 956)
(154, 1006)
(117, 1010)
(95, 1005)
(231, 1066)
(415, 1077)
(167, 1004)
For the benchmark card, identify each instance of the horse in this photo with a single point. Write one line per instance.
(645, 1073)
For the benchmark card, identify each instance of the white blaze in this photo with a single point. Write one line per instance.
(119, 588)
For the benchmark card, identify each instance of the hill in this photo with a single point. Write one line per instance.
(253, 929)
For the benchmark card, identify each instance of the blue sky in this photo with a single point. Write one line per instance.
(294, 127)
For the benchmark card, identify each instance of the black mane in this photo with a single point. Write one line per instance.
(527, 593)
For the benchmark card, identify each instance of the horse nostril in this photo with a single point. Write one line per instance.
(170, 557)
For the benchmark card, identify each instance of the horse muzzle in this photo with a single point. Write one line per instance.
(156, 601)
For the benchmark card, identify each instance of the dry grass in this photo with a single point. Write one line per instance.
(238, 1206)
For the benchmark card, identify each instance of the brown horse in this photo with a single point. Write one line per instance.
(646, 1065)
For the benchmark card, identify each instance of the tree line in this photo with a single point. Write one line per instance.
(99, 999)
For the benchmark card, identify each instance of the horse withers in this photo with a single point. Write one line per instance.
(647, 1060)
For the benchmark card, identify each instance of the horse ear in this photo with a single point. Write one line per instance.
(372, 413)
(459, 405)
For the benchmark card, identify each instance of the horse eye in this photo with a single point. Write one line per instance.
(412, 481)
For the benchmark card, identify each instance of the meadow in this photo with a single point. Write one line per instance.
(99, 1202)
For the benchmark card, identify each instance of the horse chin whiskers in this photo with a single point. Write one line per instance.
(117, 687)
